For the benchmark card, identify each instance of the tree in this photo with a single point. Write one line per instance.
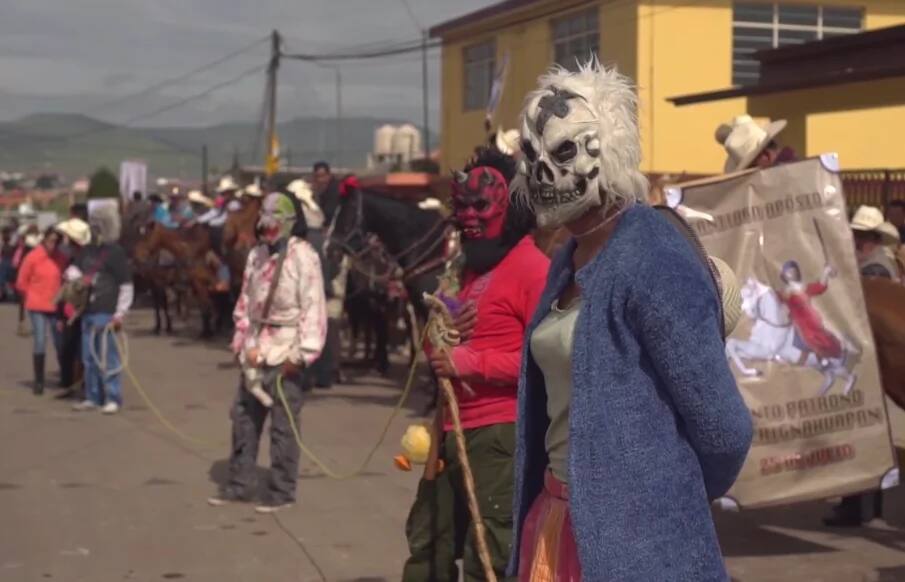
(103, 185)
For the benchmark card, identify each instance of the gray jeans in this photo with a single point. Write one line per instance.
(248, 416)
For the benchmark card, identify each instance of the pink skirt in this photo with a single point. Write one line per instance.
(548, 552)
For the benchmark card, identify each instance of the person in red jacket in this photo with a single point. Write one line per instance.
(39, 280)
(502, 278)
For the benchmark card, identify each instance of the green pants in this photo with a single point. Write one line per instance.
(439, 528)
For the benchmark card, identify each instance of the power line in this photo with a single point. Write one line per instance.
(411, 14)
(173, 80)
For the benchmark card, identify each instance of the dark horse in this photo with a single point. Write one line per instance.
(414, 241)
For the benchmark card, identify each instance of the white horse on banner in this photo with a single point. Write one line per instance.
(773, 339)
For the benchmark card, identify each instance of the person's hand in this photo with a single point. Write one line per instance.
(466, 319)
(442, 365)
(290, 369)
(116, 323)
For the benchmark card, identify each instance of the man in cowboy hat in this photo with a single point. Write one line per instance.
(200, 203)
(749, 144)
(873, 239)
(103, 267)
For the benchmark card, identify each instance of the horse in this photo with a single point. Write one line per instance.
(773, 339)
(190, 250)
(413, 238)
(885, 301)
(239, 238)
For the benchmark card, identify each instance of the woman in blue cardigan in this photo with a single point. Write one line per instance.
(630, 421)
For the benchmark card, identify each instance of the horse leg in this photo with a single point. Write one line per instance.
(850, 383)
(829, 377)
(733, 347)
(165, 302)
(155, 298)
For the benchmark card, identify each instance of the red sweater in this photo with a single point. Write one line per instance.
(39, 280)
(489, 361)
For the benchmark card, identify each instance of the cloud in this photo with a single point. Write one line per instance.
(76, 55)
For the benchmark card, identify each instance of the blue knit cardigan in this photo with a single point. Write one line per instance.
(657, 426)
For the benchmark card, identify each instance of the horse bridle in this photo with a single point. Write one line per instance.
(393, 260)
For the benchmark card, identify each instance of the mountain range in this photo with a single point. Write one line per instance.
(74, 145)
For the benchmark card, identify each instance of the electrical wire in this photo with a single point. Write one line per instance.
(184, 77)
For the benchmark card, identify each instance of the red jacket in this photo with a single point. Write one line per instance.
(506, 298)
(39, 280)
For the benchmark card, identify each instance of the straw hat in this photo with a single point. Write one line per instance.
(196, 197)
(870, 219)
(226, 184)
(76, 230)
(507, 141)
(731, 294)
(253, 190)
(744, 139)
(301, 189)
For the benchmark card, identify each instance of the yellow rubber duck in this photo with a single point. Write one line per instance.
(416, 445)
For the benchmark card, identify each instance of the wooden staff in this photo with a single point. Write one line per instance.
(442, 335)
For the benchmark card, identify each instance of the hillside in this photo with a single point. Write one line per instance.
(74, 145)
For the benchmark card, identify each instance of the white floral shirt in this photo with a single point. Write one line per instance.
(297, 323)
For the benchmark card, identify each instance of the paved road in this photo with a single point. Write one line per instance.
(90, 498)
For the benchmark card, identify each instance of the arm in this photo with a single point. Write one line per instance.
(312, 324)
(240, 312)
(23, 279)
(677, 317)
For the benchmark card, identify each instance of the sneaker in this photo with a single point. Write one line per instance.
(110, 408)
(225, 497)
(84, 406)
(270, 507)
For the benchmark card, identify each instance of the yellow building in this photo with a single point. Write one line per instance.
(673, 48)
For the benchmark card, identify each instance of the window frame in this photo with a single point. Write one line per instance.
(484, 65)
(776, 27)
(587, 14)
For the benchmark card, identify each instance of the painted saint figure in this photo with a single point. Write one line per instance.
(811, 333)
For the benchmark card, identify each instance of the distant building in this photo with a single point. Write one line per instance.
(395, 147)
(671, 48)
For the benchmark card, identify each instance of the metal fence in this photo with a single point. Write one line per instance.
(873, 187)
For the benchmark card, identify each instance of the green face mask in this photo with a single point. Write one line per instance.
(277, 217)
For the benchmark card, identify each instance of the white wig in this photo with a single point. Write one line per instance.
(613, 100)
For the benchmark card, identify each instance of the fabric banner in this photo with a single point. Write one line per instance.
(496, 90)
(133, 177)
(802, 354)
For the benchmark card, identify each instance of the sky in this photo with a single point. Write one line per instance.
(76, 56)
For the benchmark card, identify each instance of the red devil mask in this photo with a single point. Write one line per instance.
(480, 200)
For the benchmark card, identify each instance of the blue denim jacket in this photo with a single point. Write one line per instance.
(657, 427)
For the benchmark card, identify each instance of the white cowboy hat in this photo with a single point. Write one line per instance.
(76, 229)
(430, 204)
(744, 139)
(301, 189)
(253, 190)
(226, 184)
(507, 141)
(890, 233)
(870, 219)
(196, 197)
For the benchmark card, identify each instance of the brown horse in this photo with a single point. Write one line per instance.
(885, 301)
(239, 239)
(190, 248)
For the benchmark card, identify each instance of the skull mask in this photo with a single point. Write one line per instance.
(561, 143)
(480, 199)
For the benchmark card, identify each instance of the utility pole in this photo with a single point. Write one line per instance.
(339, 117)
(272, 162)
(204, 169)
(424, 94)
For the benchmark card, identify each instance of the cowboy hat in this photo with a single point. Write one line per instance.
(226, 184)
(314, 216)
(744, 139)
(507, 141)
(253, 190)
(870, 219)
(76, 230)
(196, 197)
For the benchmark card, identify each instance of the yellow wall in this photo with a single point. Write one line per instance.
(671, 48)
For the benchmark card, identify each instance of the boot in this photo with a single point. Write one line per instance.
(39, 374)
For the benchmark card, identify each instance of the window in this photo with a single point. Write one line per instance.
(480, 61)
(576, 38)
(765, 25)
